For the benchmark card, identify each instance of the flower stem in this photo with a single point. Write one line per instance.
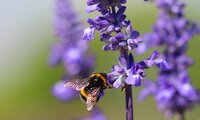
(129, 103)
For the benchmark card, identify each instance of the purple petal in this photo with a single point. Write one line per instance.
(134, 34)
(91, 8)
(134, 79)
(162, 64)
(88, 34)
(122, 61)
(118, 82)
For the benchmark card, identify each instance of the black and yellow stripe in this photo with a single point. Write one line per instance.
(83, 95)
(102, 77)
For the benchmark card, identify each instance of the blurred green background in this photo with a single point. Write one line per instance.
(26, 34)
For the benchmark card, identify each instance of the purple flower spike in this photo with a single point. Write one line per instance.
(172, 27)
(173, 90)
(118, 35)
(171, 97)
(112, 21)
(70, 50)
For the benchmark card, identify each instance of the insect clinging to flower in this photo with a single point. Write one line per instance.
(91, 88)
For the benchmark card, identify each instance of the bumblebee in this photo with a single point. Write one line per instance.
(91, 88)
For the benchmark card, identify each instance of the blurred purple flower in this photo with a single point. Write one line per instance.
(63, 93)
(70, 50)
(171, 27)
(173, 90)
(175, 95)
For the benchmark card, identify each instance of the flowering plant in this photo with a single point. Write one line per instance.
(118, 35)
(173, 90)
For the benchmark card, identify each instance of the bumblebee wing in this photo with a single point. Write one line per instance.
(92, 98)
(77, 84)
